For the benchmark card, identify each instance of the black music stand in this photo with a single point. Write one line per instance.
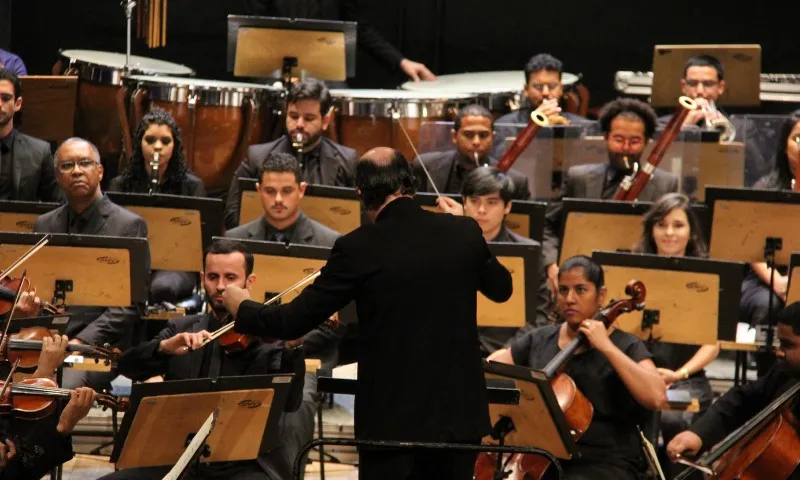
(750, 225)
(589, 225)
(537, 421)
(249, 407)
(338, 208)
(695, 302)
(179, 227)
(75, 269)
(526, 217)
(20, 216)
(270, 47)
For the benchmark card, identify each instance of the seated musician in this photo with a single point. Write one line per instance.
(743, 402)
(671, 228)
(703, 81)
(308, 115)
(543, 91)
(754, 305)
(615, 373)
(472, 134)
(88, 212)
(627, 126)
(13, 63)
(227, 262)
(486, 194)
(26, 164)
(158, 132)
(31, 448)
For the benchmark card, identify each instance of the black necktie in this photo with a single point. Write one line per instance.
(277, 237)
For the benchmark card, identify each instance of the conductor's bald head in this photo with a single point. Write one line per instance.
(382, 174)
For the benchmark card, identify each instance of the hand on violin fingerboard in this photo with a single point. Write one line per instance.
(54, 351)
(80, 402)
(28, 305)
(183, 343)
(7, 453)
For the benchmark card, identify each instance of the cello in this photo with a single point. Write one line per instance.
(577, 409)
(766, 446)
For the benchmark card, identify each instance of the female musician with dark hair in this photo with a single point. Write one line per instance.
(754, 306)
(615, 372)
(158, 132)
(671, 228)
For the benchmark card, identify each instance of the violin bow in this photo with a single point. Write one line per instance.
(4, 335)
(227, 327)
(25, 256)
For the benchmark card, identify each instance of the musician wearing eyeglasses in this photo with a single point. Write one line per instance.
(26, 165)
(322, 161)
(176, 353)
(88, 212)
(627, 126)
(743, 402)
(473, 135)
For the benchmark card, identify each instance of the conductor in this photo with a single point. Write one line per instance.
(414, 276)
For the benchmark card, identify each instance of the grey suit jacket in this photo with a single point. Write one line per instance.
(337, 163)
(586, 181)
(98, 325)
(441, 166)
(33, 174)
(306, 232)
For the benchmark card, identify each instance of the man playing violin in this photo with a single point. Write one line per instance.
(172, 354)
(419, 364)
(743, 402)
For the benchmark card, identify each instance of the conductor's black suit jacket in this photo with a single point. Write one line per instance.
(414, 276)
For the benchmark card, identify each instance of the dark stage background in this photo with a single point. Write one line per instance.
(593, 38)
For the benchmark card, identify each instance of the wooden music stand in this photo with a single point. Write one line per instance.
(742, 64)
(163, 417)
(537, 421)
(21, 216)
(262, 46)
(526, 217)
(48, 110)
(793, 295)
(179, 228)
(78, 268)
(523, 263)
(337, 208)
(691, 301)
(589, 225)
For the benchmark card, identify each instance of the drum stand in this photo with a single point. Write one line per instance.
(128, 6)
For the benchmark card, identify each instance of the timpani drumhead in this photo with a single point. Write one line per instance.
(479, 82)
(114, 60)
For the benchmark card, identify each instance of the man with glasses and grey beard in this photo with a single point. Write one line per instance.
(88, 212)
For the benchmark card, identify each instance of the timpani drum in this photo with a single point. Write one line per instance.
(100, 91)
(364, 118)
(500, 91)
(218, 120)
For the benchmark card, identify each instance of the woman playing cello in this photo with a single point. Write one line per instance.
(614, 372)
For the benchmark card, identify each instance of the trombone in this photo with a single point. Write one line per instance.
(716, 121)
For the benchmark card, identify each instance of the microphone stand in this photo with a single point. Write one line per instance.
(128, 6)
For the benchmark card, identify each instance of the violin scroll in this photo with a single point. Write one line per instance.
(120, 404)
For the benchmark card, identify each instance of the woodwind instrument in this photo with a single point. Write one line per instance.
(538, 120)
(633, 184)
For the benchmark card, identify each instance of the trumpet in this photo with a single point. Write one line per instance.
(716, 121)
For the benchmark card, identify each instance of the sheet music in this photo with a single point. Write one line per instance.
(198, 440)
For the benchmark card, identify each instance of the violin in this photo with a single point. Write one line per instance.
(8, 294)
(35, 398)
(766, 446)
(26, 346)
(577, 409)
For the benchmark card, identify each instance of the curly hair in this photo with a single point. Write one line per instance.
(628, 108)
(135, 178)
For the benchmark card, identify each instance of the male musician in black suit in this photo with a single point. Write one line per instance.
(414, 276)
(627, 126)
(322, 161)
(741, 403)
(344, 10)
(543, 89)
(26, 164)
(472, 134)
(487, 197)
(281, 191)
(88, 212)
(171, 354)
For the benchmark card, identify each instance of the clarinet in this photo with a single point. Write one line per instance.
(154, 174)
(297, 143)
